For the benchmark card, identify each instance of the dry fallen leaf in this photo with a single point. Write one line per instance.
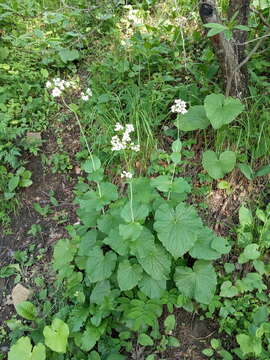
(19, 294)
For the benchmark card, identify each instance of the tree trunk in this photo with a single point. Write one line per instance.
(229, 52)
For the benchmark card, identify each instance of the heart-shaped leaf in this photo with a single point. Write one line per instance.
(215, 167)
(22, 350)
(177, 229)
(198, 283)
(128, 275)
(56, 336)
(221, 110)
(194, 119)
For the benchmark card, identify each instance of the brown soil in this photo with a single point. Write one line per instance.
(194, 336)
(52, 226)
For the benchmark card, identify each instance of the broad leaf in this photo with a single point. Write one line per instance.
(68, 55)
(215, 167)
(116, 242)
(27, 310)
(128, 275)
(77, 317)
(13, 183)
(108, 192)
(139, 212)
(98, 266)
(154, 260)
(221, 110)
(194, 119)
(162, 183)
(152, 288)
(198, 283)
(89, 337)
(228, 289)
(63, 253)
(169, 323)
(143, 191)
(202, 248)
(145, 340)
(130, 231)
(88, 241)
(177, 229)
(100, 291)
(91, 165)
(56, 336)
(22, 350)
(249, 344)
(251, 252)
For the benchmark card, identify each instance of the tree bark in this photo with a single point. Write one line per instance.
(229, 52)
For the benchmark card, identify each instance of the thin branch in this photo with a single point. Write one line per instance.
(264, 21)
(229, 83)
(250, 41)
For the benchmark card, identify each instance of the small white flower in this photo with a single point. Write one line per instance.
(129, 128)
(117, 144)
(89, 92)
(118, 127)
(179, 106)
(56, 92)
(68, 84)
(126, 174)
(126, 138)
(62, 84)
(135, 147)
(56, 81)
(48, 84)
(84, 97)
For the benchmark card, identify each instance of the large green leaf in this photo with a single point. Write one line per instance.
(77, 317)
(152, 288)
(100, 291)
(88, 241)
(13, 183)
(154, 260)
(215, 167)
(194, 119)
(56, 336)
(68, 55)
(198, 283)
(89, 337)
(130, 231)
(27, 310)
(203, 247)
(128, 275)
(249, 344)
(108, 192)
(63, 253)
(177, 229)
(221, 110)
(251, 252)
(22, 350)
(139, 211)
(98, 266)
(116, 242)
(143, 191)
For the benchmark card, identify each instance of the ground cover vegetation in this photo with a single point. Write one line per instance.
(149, 184)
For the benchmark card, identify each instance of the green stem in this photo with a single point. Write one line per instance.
(174, 168)
(131, 201)
(85, 140)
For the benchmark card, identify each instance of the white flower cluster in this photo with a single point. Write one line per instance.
(58, 86)
(179, 106)
(125, 142)
(126, 174)
(85, 96)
